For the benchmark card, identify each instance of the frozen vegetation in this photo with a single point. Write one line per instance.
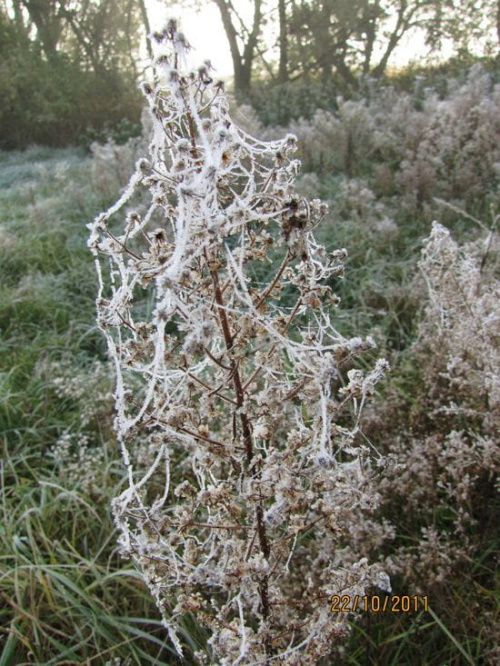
(272, 459)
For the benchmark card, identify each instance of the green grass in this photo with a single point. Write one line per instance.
(66, 593)
(67, 597)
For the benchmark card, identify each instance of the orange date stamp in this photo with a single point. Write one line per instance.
(377, 604)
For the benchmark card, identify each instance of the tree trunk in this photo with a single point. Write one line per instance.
(147, 28)
(498, 25)
(48, 25)
(283, 43)
(242, 62)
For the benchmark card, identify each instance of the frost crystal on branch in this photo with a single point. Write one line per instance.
(245, 474)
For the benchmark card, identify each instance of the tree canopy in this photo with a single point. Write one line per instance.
(67, 65)
(348, 38)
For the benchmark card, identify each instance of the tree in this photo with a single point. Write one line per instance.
(46, 16)
(105, 34)
(350, 37)
(283, 42)
(471, 26)
(70, 64)
(98, 34)
(243, 41)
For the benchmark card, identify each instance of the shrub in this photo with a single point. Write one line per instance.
(54, 103)
(452, 456)
(442, 426)
(281, 103)
(238, 406)
(416, 146)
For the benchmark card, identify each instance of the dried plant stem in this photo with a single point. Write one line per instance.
(225, 403)
(246, 432)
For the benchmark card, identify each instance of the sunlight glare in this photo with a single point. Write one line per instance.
(203, 29)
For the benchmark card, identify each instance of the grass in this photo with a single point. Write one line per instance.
(66, 595)
(428, 637)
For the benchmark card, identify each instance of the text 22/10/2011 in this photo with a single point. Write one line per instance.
(377, 604)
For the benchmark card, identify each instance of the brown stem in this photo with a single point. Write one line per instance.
(302, 529)
(125, 248)
(211, 389)
(291, 394)
(192, 134)
(219, 527)
(282, 332)
(198, 435)
(292, 315)
(217, 361)
(246, 430)
(269, 289)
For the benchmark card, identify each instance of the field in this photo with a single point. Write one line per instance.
(388, 168)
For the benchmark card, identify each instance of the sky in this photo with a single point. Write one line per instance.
(203, 30)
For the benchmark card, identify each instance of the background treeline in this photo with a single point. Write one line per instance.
(69, 69)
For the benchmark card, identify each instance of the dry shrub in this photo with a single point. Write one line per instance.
(444, 434)
(238, 403)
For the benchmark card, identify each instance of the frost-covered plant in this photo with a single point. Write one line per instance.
(238, 406)
(80, 451)
(441, 147)
(408, 149)
(112, 162)
(460, 326)
(80, 465)
(451, 451)
(340, 141)
(449, 147)
(416, 146)
(89, 387)
(439, 422)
